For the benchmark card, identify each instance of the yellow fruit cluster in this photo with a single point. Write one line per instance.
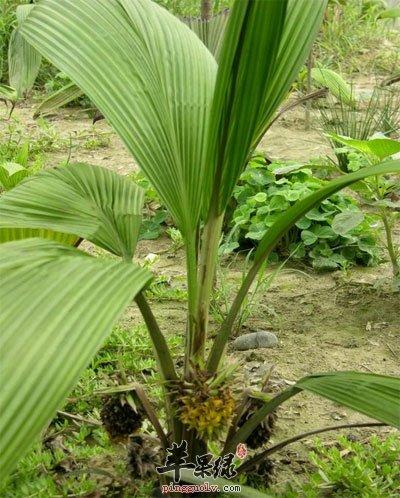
(209, 416)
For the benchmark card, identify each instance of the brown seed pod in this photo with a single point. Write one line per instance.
(262, 433)
(144, 456)
(119, 418)
(263, 473)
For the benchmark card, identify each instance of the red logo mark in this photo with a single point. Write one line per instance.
(241, 451)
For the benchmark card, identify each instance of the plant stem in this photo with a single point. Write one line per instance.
(258, 458)
(315, 94)
(390, 245)
(151, 415)
(160, 345)
(240, 408)
(191, 267)
(227, 325)
(164, 361)
(208, 262)
(310, 63)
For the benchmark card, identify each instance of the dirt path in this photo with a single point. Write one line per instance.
(71, 125)
(287, 139)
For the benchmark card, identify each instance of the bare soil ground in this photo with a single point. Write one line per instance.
(287, 139)
(324, 322)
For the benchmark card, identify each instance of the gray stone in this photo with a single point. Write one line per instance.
(255, 340)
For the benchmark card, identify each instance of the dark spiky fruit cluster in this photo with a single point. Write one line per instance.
(119, 418)
(144, 456)
(263, 474)
(262, 433)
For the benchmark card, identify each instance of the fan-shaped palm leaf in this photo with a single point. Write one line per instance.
(210, 31)
(246, 66)
(302, 22)
(58, 304)
(8, 93)
(10, 234)
(335, 84)
(11, 174)
(148, 74)
(57, 99)
(88, 201)
(377, 396)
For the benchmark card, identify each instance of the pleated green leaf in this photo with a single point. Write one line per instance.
(57, 306)
(211, 31)
(58, 99)
(303, 19)
(265, 45)
(23, 60)
(148, 74)
(377, 396)
(380, 148)
(87, 201)
(335, 84)
(250, 46)
(10, 234)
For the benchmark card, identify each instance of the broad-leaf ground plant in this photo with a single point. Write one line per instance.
(324, 237)
(191, 124)
(380, 193)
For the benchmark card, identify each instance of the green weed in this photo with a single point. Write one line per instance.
(265, 191)
(45, 139)
(353, 40)
(352, 469)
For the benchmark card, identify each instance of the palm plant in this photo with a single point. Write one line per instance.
(191, 125)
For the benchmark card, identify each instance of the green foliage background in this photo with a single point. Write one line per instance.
(265, 192)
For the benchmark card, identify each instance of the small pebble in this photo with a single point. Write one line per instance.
(255, 340)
